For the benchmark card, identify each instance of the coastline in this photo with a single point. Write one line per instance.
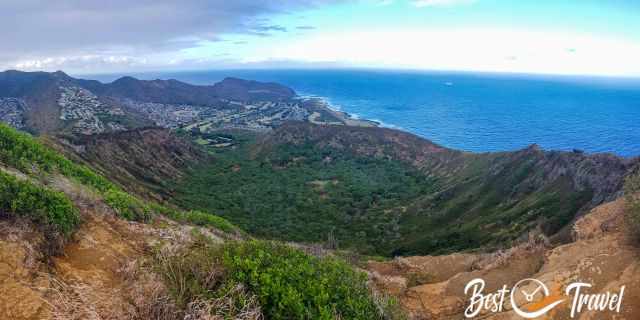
(323, 112)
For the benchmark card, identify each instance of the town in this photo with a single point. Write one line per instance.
(12, 111)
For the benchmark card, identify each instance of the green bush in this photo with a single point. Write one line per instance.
(43, 206)
(198, 218)
(293, 285)
(287, 283)
(127, 206)
(25, 153)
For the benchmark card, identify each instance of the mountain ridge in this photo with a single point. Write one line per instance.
(529, 188)
(281, 174)
(42, 93)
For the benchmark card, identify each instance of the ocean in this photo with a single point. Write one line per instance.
(477, 112)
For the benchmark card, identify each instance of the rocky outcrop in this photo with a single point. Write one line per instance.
(600, 255)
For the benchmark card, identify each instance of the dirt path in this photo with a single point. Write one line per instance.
(20, 280)
(92, 285)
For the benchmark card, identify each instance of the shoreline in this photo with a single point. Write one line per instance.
(319, 105)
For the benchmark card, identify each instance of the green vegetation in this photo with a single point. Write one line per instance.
(333, 193)
(482, 212)
(41, 205)
(198, 218)
(127, 206)
(304, 195)
(26, 154)
(286, 282)
(632, 197)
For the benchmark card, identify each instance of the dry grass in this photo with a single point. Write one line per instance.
(71, 302)
(388, 306)
(148, 293)
(536, 242)
(145, 298)
(221, 308)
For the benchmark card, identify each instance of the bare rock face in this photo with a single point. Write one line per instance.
(600, 255)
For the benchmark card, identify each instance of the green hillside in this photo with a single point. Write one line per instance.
(26, 154)
(249, 277)
(385, 192)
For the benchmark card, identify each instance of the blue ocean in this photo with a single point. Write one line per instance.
(477, 112)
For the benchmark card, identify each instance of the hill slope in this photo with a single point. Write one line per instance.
(67, 252)
(388, 192)
(142, 160)
(432, 287)
(58, 103)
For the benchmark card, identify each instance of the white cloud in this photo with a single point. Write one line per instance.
(45, 33)
(467, 49)
(78, 63)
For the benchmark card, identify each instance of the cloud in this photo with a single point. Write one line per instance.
(80, 63)
(305, 27)
(441, 3)
(471, 49)
(268, 28)
(68, 30)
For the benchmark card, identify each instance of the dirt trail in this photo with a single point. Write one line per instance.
(20, 281)
(433, 287)
(96, 277)
(89, 270)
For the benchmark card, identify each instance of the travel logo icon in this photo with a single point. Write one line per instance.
(531, 298)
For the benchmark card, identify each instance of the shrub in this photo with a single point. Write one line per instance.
(293, 285)
(208, 220)
(198, 218)
(127, 206)
(287, 283)
(41, 205)
(25, 153)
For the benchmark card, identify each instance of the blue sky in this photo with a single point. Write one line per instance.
(543, 36)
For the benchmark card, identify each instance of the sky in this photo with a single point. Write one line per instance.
(595, 37)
